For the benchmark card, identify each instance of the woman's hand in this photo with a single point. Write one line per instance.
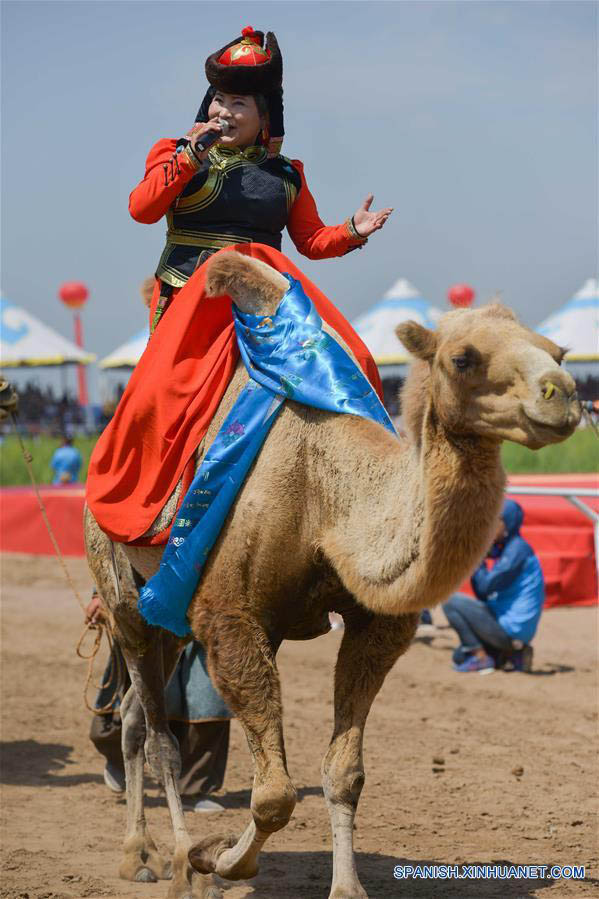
(366, 222)
(199, 130)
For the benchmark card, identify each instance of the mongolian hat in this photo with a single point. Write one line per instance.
(246, 65)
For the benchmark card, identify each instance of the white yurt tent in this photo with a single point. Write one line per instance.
(26, 341)
(576, 326)
(128, 354)
(377, 325)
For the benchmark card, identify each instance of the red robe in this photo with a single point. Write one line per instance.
(184, 372)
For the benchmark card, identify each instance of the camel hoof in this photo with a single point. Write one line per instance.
(357, 892)
(203, 857)
(213, 893)
(145, 875)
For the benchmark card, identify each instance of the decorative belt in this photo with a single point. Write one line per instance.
(205, 239)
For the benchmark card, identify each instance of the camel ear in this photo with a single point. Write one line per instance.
(418, 340)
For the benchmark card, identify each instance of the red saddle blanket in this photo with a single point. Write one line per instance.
(171, 398)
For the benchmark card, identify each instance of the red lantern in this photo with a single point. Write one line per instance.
(460, 295)
(73, 294)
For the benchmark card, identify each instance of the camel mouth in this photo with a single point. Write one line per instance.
(555, 432)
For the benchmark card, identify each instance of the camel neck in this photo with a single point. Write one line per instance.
(411, 523)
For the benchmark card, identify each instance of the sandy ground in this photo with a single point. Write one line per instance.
(62, 828)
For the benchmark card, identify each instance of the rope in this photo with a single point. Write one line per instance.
(588, 408)
(101, 627)
(117, 674)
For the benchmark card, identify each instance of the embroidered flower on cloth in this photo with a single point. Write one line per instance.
(235, 430)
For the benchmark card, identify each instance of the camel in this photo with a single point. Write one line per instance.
(336, 514)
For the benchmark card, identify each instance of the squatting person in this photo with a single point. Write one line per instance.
(497, 627)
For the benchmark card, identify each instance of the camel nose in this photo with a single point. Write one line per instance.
(558, 401)
(558, 385)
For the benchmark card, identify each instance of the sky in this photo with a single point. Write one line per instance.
(476, 121)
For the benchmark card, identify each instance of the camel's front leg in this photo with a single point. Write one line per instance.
(242, 664)
(370, 647)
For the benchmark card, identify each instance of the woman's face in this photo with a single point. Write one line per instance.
(241, 113)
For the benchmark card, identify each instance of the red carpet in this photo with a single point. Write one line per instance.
(560, 534)
(562, 537)
(23, 530)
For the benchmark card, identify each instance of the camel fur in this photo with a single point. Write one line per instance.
(335, 515)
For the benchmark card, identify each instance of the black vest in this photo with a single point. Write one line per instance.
(235, 197)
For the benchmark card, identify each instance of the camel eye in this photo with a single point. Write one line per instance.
(462, 362)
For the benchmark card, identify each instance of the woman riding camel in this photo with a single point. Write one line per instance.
(238, 193)
(242, 193)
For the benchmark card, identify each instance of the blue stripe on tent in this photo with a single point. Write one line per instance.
(10, 335)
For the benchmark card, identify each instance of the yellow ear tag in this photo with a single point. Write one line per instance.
(549, 390)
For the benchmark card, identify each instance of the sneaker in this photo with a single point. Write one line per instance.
(114, 778)
(201, 804)
(486, 665)
(426, 617)
(459, 655)
(521, 660)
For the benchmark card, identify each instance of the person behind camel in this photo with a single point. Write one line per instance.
(496, 628)
(204, 745)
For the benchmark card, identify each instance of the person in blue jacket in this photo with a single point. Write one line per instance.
(496, 629)
(66, 462)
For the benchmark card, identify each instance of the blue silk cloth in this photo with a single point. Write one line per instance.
(288, 356)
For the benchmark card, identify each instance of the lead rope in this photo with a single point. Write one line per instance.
(588, 408)
(101, 627)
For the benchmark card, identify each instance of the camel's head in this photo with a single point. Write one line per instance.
(490, 375)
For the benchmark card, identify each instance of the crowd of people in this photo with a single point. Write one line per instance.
(43, 411)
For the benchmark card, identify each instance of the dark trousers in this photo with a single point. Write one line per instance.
(204, 745)
(204, 749)
(475, 625)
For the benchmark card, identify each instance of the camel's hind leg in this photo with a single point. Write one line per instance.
(149, 673)
(241, 661)
(369, 648)
(141, 859)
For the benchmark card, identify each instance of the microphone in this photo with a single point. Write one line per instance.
(204, 142)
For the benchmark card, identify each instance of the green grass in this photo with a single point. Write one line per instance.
(12, 466)
(578, 454)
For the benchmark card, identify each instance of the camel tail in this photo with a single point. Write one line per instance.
(253, 285)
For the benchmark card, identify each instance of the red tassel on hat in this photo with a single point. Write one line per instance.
(249, 32)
